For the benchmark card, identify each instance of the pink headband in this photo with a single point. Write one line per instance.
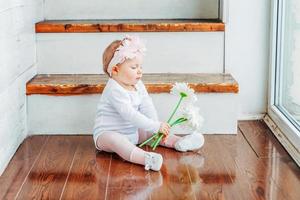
(130, 47)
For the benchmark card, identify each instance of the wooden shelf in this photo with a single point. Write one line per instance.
(88, 26)
(77, 84)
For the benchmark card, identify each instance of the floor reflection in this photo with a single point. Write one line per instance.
(181, 179)
(249, 165)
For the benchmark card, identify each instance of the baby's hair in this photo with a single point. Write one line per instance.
(109, 53)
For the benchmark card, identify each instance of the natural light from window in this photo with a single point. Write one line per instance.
(289, 92)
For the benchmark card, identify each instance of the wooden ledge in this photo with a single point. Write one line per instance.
(77, 84)
(184, 25)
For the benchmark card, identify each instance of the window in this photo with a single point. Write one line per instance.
(284, 96)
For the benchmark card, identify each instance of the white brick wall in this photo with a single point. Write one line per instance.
(17, 66)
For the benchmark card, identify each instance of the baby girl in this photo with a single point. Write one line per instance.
(126, 115)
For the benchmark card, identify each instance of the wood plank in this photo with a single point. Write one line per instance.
(227, 167)
(215, 174)
(48, 176)
(128, 181)
(262, 139)
(20, 165)
(155, 83)
(286, 175)
(89, 173)
(88, 26)
(251, 189)
(176, 180)
(257, 172)
(281, 172)
(252, 176)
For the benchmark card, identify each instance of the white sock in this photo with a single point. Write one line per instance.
(190, 142)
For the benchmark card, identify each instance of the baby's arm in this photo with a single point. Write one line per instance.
(121, 102)
(147, 108)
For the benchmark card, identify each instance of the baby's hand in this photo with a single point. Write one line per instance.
(164, 128)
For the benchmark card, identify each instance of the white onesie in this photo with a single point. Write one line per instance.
(123, 111)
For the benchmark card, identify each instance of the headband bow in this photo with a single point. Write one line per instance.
(130, 47)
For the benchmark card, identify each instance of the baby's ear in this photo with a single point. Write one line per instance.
(115, 68)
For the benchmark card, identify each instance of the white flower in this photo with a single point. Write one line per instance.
(183, 90)
(194, 119)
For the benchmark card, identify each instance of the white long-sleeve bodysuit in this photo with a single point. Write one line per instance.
(123, 111)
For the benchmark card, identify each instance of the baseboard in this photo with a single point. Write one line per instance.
(290, 148)
(245, 117)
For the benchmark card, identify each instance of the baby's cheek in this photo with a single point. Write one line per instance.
(131, 75)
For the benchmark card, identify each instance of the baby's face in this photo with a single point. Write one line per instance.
(130, 71)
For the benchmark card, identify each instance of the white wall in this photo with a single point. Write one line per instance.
(17, 66)
(176, 52)
(247, 53)
(130, 9)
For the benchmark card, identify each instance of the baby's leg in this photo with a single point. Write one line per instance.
(118, 143)
(186, 143)
(170, 141)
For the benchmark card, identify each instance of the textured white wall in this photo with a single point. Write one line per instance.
(130, 9)
(247, 53)
(17, 65)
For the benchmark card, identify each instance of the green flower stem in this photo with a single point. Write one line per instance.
(175, 109)
(170, 118)
(157, 141)
(178, 121)
(153, 142)
(148, 140)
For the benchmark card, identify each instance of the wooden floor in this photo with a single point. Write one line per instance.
(250, 165)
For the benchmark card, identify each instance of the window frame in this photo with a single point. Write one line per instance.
(290, 132)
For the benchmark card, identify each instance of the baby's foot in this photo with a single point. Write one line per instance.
(153, 161)
(190, 142)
